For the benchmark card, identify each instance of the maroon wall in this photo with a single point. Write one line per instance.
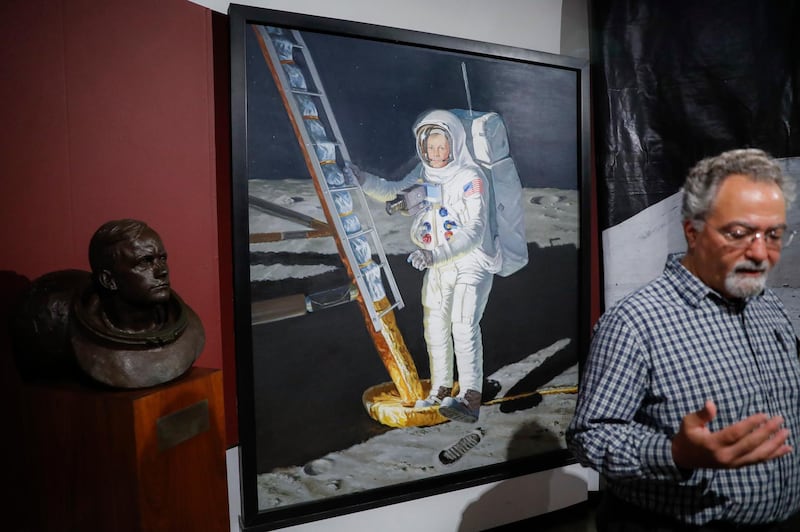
(107, 111)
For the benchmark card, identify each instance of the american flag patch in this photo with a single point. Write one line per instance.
(473, 188)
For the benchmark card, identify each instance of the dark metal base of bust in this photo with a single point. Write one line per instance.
(125, 366)
(60, 326)
(134, 360)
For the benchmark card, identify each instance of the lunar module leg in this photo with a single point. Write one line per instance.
(357, 241)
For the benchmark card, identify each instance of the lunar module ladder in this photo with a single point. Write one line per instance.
(280, 47)
(292, 68)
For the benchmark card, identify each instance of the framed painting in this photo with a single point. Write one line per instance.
(410, 246)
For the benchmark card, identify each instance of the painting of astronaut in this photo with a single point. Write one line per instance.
(409, 257)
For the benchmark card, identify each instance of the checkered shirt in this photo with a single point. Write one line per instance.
(660, 354)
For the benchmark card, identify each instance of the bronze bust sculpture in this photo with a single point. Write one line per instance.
(126, 327)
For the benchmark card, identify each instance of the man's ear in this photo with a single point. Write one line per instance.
(690, 232)
(106, 280)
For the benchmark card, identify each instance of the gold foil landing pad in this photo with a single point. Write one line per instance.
(384, 405)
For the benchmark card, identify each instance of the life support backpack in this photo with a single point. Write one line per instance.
(487, 141)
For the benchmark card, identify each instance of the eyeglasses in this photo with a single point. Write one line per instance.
(742, 236)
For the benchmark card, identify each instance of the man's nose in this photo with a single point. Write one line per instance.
(161, 268)
(757, 250)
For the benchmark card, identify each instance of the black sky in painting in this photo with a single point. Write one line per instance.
(378, 89)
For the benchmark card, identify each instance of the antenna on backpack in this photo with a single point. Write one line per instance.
(466, 87)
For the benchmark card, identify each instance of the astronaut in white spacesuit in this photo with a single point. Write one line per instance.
(457, 252)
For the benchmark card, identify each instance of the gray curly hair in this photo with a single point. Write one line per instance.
(705, 178)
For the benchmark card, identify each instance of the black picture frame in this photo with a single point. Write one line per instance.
(295, 387)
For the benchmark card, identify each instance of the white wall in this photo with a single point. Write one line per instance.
(531, 24)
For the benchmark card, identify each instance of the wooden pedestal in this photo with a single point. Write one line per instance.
(142, 460)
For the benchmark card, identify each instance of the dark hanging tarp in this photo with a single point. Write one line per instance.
(675, 81)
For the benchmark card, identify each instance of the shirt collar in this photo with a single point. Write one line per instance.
(691, 289)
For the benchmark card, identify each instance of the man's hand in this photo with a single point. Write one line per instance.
(755, 439)
(421, 259)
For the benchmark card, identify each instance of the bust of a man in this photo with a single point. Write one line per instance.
(128, 328)
(121, 324)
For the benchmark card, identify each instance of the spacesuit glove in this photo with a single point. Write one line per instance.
(353, 173)
(421, 259)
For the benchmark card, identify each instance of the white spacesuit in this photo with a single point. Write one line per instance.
(456, 246)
